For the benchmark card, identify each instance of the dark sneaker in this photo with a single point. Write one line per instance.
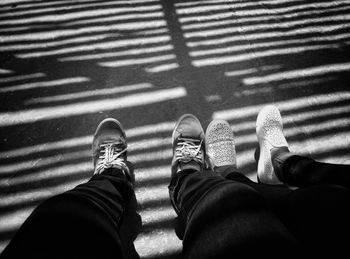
(188, 144)
(269, 130)
(220, 145)
(109, 147)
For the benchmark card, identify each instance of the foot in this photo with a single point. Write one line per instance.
(269, 130)
(188, 144)
(109, 147)
(220, 145)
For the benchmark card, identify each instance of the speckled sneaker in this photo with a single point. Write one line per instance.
(220, 145)
(269, 130)
(188, 144)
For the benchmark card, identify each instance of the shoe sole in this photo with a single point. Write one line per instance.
(224, 146)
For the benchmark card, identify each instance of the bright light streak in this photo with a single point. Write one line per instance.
(47, 113)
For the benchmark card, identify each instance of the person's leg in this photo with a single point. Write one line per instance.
(278, 165)
(222, 218)
(83, 222)
(316, 213)
(301, 171)
(318, 216)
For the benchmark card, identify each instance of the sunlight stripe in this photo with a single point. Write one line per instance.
(127, 52)
(134, 16)
(144, 130)
(162, 68)
(164, 154)
(4, 71)
(42, 162)
(98, 46)
(56, 43)
(56, 34)
(268, 53)
(218, 16)
(278, 25)
(36, 195)
(52, 173)
(154, 173)
(243, 47)
(221, 21)
(92, 93)
(39, 114)
(79, 15)
(262, 11)
(264, 4)
(148, 194)
(39, 3)
(291, 104)
(250, 70)
(266, 35)
(85, 154)
(21, 77)
(162, 242)
(298, 73)
(45, 84)
(154, 215)
(136, 61)
(233, 3)
(67, 8)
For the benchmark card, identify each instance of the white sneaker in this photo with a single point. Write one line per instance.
(269, 130)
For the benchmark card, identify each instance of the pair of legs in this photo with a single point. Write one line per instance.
(224, 214)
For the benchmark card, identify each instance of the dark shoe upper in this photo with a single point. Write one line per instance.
(188, 144)
(109, 147)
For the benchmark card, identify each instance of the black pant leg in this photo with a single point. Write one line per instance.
(317, 215)
(81, 223)
(227, 219)
(301, 171)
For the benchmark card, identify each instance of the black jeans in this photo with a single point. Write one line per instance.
(82, 223)
(227, 215)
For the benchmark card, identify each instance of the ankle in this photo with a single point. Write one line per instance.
(278, 157)
(279, 152)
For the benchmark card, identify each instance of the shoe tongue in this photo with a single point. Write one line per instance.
(190, 166)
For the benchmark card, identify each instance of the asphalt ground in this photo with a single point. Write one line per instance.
(67, 65)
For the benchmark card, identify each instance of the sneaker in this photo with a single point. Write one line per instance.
(220, 145)
(109, 147)
(188, 144)
(269, 130)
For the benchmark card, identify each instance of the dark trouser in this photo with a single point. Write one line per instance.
(229, 216)
(81, 223)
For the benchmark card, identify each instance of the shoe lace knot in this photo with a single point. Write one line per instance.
(111, 156)
(187, 150)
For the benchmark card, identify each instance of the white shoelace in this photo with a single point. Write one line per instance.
(110, 157)
(187, 150)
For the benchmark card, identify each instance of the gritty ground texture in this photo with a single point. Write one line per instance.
(66, 65)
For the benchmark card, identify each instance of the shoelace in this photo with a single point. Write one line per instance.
(187, 150)
(110, 157)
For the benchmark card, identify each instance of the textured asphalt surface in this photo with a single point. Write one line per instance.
(66, 65)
